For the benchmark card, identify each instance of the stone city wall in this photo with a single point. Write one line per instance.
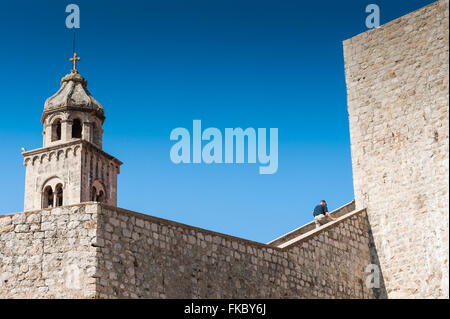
(96, 251)
(49, 253)
(341, 211)
(146, 257)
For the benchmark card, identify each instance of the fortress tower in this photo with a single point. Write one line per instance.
(398, 106)
(71, 167)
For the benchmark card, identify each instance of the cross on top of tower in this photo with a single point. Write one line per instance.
(74, 60)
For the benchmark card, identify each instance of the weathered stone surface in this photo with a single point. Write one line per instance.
(47, 261)
(398, 104)
(197, 263)
(71, 167)
(397, 81)
(73, 94)
(165, 259)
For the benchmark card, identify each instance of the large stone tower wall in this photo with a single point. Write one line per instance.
(398, 103)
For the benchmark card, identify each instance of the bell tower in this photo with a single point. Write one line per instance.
(71, 167)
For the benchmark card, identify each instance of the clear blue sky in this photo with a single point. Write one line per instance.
(158, 65)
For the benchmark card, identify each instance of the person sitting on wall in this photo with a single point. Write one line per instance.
(321, 214)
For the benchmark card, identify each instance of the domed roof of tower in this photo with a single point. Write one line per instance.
(73, 95)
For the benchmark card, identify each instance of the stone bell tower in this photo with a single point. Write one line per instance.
(71, 167)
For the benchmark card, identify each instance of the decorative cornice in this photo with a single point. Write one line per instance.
(82, 143)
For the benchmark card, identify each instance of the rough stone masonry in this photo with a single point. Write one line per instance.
(64, 246)
(91, 250)
(398, 106)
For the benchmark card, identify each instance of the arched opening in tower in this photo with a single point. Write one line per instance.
(100, 197)
(47, 197)
(94, 194)
(56, 130)
(98, 192)
(76, 128)
(59, 195)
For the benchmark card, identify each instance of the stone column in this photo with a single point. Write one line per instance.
(47, 134)
(66, 130)
(100, 137)
(87, 132)
(109, 173)
(44, 136)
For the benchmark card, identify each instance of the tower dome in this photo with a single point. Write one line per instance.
(72, 112)
(73, 95)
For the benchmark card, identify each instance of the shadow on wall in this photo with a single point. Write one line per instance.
(380, 293)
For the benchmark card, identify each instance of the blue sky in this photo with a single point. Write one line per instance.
(158, 65)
